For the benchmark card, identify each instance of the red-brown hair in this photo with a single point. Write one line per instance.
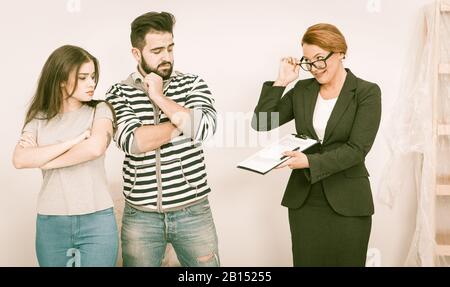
(327, 37)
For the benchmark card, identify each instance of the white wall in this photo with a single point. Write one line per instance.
(234, 46)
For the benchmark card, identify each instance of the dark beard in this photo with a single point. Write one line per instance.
(146, 68)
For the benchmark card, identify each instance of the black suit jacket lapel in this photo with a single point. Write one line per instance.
(311, 93)
(345, 96)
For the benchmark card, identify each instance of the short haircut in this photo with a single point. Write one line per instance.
(148, 22)
(327, 37)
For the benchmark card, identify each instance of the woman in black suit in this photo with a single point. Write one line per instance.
(328, 193)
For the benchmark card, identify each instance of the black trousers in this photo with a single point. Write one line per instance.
(322, 237)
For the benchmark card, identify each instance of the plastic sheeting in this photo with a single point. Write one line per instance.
(420, 158)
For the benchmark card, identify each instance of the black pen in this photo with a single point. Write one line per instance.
(283, 157)
(302, 136)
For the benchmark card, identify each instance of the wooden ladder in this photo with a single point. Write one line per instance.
(440, 129)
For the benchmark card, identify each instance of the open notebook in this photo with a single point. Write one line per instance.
(271, 156)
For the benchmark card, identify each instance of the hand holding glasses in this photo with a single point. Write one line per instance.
(289, 68)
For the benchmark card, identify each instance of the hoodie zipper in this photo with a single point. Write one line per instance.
(157, 155)
(157, 152)
(157, 161)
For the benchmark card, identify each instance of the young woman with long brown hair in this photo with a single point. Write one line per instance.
(66, 134)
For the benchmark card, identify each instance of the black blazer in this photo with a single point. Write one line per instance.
(339, 161)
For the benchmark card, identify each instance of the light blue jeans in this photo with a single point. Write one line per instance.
(191, 231)
(77, 240)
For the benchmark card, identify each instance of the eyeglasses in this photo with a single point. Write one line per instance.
(318, 64)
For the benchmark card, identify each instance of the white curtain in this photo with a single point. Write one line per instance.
(417, 158)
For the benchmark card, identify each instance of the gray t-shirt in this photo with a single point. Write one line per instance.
(77, 189)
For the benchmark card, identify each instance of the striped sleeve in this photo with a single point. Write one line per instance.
(127, 120)
(201, 102)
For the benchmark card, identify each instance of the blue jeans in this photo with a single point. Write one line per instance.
(191, 231)
(77, 240)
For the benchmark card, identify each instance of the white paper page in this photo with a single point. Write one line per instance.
(267, 158)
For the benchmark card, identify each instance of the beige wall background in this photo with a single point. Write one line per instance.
(234, 46)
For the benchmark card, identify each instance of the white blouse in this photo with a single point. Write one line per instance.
(322, 113)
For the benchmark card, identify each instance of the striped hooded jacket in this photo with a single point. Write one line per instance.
(172, 176)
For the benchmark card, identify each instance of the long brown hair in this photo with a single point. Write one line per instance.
(48, 99)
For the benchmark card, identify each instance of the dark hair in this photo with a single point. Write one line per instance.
(48, 98)
(148, 22)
